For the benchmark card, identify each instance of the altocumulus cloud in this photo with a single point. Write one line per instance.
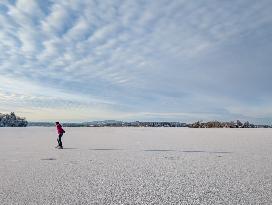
(136, 60)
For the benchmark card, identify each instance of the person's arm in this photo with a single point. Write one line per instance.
(63, 131)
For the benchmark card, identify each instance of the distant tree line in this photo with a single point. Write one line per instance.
(11, 120)
(114, 123)
(217, 124)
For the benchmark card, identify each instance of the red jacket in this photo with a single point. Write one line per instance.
(59, 129)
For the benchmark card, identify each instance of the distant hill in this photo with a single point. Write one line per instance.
(42, 124)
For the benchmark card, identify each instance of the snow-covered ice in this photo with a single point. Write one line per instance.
(136, 166)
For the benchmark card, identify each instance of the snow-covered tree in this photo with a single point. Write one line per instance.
(11, 120)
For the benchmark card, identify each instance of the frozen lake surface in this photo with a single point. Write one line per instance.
(136, 166)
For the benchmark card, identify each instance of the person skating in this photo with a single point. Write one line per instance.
(60, 134)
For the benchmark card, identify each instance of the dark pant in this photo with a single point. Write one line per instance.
(59, 140)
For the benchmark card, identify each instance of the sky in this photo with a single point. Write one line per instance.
(178, 60)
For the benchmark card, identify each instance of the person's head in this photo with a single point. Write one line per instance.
(57, 123)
